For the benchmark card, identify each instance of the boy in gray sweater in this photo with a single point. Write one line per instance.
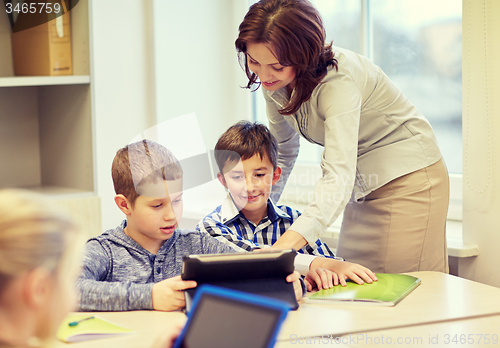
(138, 264)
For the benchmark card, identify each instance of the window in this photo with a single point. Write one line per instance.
(418, 44)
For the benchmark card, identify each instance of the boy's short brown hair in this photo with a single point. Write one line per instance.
(244, 140)
(142, 161)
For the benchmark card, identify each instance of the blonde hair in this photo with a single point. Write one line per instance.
(32, 235)
(142, 161)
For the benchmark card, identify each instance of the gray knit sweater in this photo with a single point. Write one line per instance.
(118, 274)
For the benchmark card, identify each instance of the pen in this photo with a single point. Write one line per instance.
(75, 323)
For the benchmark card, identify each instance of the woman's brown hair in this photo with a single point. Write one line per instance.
(295, 31)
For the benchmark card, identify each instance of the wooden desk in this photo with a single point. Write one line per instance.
(441, 304)
(440, 297)
(475, 332)
(149, 325)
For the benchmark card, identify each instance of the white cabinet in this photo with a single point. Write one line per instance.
(47, 128)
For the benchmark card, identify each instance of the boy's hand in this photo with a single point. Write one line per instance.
(345, 270)
(297, 287)
(168, 295)
(321, 277)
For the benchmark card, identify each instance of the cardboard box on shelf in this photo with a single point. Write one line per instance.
(43, 50)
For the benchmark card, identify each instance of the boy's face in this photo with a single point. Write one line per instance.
(250, 183)
(156, 212)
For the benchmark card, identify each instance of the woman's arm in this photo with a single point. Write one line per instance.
(288, 144)
(339, 103)
(288, 150)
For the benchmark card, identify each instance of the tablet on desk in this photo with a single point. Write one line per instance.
(226, 318)
(262, 273)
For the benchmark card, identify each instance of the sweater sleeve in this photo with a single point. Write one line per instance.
(210, 245)
(97, 294)
(221, 232)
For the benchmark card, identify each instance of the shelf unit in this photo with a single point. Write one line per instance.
(46, 128)
(24, 81)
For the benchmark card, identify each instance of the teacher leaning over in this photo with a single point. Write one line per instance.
(381, 162)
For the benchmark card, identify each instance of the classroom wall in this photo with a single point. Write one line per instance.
(123, 86)
(154, 60)
(196, 63)
(481, 159)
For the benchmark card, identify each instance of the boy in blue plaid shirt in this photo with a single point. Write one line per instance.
(248, 219)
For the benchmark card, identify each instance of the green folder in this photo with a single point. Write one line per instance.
(387, 291)
(88, 329)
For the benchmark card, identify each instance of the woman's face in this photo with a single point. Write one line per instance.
(263, 63)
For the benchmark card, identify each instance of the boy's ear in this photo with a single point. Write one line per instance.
(123, 204)
(276, 175)
(222, 179)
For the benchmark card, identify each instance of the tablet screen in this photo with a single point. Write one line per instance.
(222, 322)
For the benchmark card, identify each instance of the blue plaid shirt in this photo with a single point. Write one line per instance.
(231, 227)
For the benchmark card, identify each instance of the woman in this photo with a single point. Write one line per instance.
(381, 162)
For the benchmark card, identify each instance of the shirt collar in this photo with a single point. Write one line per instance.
(273, 208)
(229, 211)
(280, 96)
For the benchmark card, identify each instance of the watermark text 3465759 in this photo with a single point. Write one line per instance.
(25, 14)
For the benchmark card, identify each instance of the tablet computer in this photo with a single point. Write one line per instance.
(262, 273)
(226, 318)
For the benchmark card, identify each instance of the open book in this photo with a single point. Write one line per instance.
(387, 291)
(83, 327)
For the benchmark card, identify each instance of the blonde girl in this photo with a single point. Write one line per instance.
(38, 269)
